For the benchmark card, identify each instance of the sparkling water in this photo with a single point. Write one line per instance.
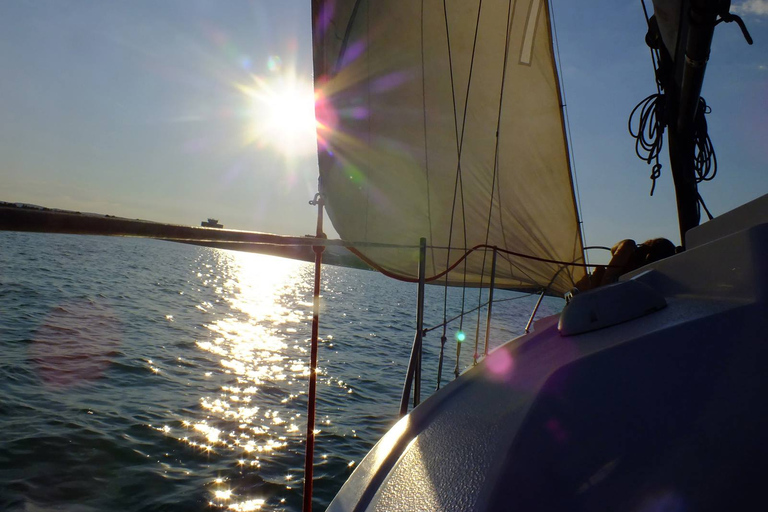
(146, 375)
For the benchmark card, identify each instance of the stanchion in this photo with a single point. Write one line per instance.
(533, 314)
(490, 302)
(309, 452)
(414, 365)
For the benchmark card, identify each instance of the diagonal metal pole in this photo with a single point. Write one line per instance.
(533, 314)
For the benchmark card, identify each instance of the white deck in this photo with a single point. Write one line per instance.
(662, 407)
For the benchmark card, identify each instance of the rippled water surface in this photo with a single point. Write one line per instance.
(147, 375)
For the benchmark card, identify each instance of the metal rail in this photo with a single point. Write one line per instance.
(414, 365)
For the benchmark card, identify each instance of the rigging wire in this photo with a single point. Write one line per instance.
(458, 170)
(495, 177)
(498, 188)
(443, 338)
(649, 136)
(424, 120)
(495, 301)
(655, 55)
(516, 267)
(703, 205)
(458, 184)
(461, 147)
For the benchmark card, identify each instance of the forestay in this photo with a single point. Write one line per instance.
(442, 119)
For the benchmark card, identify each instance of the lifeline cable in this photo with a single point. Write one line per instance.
(496, 301)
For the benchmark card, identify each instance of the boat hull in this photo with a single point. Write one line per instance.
(666, 409)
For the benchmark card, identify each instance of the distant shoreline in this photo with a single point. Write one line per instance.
(40, 219)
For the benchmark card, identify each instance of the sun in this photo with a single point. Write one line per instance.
(282, 114)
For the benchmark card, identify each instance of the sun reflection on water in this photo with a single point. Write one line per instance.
(260, 365)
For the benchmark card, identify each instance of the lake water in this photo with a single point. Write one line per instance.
(141, 375)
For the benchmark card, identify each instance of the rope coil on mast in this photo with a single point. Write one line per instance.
(647, 123)
(649, 135)
(653, 115)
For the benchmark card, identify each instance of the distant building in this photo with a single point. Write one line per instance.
(211, 223)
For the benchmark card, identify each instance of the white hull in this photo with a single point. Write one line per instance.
(670, 406)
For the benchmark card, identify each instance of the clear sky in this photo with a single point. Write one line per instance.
(607, 71)
(178, 110)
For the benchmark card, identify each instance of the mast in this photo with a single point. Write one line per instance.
(681, 75)
(697, 25)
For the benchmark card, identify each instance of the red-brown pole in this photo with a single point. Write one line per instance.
(318, 61)
(309, 452)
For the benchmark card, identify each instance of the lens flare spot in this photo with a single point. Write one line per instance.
(461, 336)
(325, 16)
(76, 343)
(354, 174)
(274, 63)
(500, 363)
(327, 119)
(352, 53)
(390, 81)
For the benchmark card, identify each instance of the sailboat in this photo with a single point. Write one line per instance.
(443, 122)
(443, 157)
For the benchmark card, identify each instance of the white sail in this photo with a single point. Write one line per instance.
(443, 120)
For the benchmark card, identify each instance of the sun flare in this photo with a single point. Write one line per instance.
(282, 114)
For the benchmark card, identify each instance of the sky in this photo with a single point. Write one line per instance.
(179, 110)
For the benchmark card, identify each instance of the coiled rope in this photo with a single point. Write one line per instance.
(705, 160)
(649, 135)
(647, 123)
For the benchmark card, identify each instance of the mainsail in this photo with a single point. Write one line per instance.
(442, 119)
